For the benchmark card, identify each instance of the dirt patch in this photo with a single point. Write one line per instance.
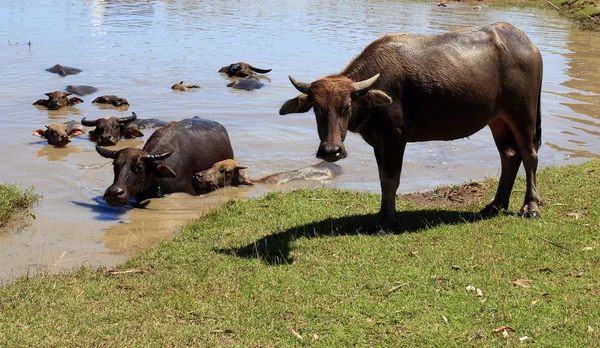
(449, 196)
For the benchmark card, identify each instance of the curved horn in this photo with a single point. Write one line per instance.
(361, 86)
(301, 86)
(128, 118)
(157, 157)
(241, 167)
(104, 152)
(88, 123)
(262, 71)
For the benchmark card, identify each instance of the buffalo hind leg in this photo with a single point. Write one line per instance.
(389, 165)
(526, 140)
(510, 159)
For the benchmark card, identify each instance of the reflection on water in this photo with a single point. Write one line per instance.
(138, 49)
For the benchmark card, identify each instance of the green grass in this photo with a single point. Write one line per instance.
(584, 12)
(252, 270)
(14, 203)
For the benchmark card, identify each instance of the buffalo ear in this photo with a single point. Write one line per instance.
(163, 171)
(39, 133)
(300, 104)
(132, 132)
(375, 97)
(75, 100)
(76, 132)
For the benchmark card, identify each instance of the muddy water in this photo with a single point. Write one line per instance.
(138, 49)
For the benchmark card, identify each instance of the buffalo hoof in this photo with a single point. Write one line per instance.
(491, 210)
(530, 211)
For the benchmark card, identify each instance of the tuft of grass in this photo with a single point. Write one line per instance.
(14, 203)
(294, 268)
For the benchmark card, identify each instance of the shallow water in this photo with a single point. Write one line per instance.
(138, 49)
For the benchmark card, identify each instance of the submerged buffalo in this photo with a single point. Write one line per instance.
(111, 100)
(230, 173)
(59, 134)
(183, 87)
(81, 90)
(63, 70)
(248, 83)
(109, 130)
(167, 162)
(410, 88)
(242, 69)
(57, 100)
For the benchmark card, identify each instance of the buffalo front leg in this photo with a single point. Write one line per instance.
(389, 163)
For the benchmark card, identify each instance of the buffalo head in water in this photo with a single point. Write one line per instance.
(242, 69)
(57, 100)
(109, 130)
(112, 100)
(59, 134)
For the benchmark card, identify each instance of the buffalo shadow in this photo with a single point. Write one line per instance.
(274, 249)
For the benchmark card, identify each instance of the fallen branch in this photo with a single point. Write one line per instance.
(551, 4)
(127, 271)
(553, 243)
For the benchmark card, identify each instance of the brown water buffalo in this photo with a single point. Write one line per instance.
(183, 87)
(248, 83)
(112, 100)
(59, 134)
(230, 173)
(81, 90)
(57, 100)
(109, 130)
(242, 69)
(167, 162)
(63, 70)
(410, 88)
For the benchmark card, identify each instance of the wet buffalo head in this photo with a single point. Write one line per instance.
(57, 100)
(223, 173)
(242, 69)
(109, 130)
(58, 134)
(111, 99)
(135, 171)
(337, 102)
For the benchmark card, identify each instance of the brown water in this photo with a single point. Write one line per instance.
(138, 49)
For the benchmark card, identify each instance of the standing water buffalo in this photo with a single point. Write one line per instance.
(242, 69)
(109, 130)
(59, 134)
(230, 173)
(57, 100)
(409, 88)
(167, 162)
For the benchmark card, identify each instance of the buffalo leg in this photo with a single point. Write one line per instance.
(528, 148)
(389, 164)
(510, 159)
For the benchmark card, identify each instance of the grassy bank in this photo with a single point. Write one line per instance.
(14, 203)
(293, 268)
(585, 12)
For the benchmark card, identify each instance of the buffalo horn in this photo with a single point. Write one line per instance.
(262, 71)
(240, 167)
(104, 152)
(361, 86)
(300, 86)
(157, 157)
(88, 123)
(128, 118)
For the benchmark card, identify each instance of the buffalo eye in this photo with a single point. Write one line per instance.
(138, 168)
(116, 126)
(346, 110)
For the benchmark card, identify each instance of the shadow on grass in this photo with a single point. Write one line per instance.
(274, 249)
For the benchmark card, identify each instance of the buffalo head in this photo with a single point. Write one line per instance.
(242, 69)
(337, 102)
(58, 134)
(135, 171)
(223, 173)
(109, 130)
(57, 100)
